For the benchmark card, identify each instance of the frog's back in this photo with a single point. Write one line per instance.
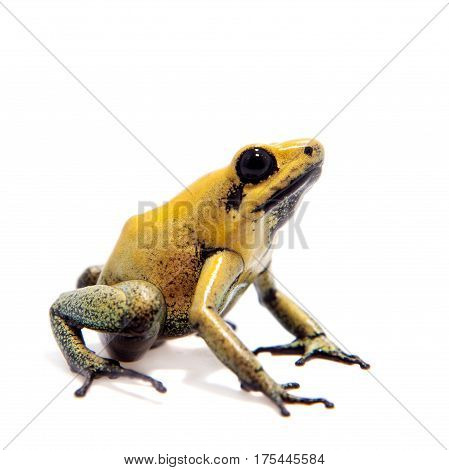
(165, 252)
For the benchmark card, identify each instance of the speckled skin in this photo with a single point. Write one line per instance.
(130, 309)
(179, 268)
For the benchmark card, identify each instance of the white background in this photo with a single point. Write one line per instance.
(195, 81)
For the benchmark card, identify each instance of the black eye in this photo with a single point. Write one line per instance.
(308, 151)
(255, 165)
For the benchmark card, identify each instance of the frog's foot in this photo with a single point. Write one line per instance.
(280, 396)
(316, 346)
(286, 397)
(113, 369)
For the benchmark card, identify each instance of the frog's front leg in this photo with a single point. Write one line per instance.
(311, 341)
(131, 309)
(219, 273)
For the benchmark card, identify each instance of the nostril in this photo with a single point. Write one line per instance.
(308, 151)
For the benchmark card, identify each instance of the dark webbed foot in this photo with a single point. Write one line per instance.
(335, 355)
(293, 399)
(280, 396)
(318, 346)
(89, 377)
(112, 369)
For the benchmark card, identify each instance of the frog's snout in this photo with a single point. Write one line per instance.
(308, 150)
(315, 150)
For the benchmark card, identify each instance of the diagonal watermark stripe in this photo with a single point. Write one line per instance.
(339, 112)
(174, 176)
(94, 96)
(423, 426)
(382, 69)
(31, 421)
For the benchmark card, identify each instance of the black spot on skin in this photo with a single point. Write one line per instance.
(308, 151)
(234, 197)
(269, 296)
(206, 251)
(315, 335)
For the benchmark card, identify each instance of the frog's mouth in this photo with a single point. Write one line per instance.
(296, 187)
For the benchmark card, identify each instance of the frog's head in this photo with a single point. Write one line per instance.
(251, 197)
(271, 179)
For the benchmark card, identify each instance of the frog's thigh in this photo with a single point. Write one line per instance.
(132, 309)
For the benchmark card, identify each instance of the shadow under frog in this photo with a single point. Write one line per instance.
(196, 364)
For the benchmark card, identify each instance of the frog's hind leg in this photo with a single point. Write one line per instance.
(311, 341)
(131, 309)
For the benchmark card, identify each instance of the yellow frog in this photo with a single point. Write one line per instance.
(179, 268)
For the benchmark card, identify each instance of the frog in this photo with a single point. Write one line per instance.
(178, 269)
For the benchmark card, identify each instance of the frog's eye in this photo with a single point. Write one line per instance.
(255, 164)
